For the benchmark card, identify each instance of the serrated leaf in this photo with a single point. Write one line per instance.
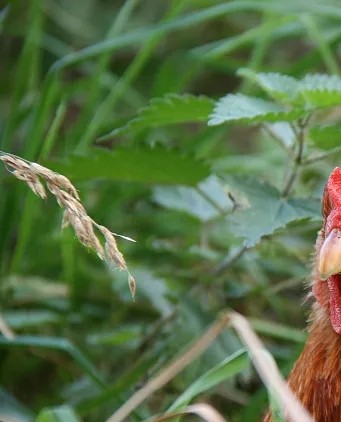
(134, 165)
(168, 110)
(327, 136)
(205, 203)
(321, 90)
(226, 369)
(58, 414)
(242, 108)
(314, 90)
(280, 87)
(265, 211)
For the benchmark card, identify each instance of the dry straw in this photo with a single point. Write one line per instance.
(74, 212)
(264, 365)
(203, 410)
(5, 330)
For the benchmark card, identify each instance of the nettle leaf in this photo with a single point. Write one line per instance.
(156, 165)
(321, 90)
(314, 90)
(168, 110)
(326, 136)
(265, 211)
(242, 108)
(280, 87)
(205, 203)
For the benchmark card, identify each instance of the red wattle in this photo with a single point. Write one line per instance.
(334, 285)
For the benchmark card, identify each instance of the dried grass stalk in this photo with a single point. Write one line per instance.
(74, 212)
(265, 366)
(203, 410)
(5, 330)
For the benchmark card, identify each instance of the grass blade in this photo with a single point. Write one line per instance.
(226, 369)
(58, 344)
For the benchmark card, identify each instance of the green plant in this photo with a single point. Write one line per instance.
(116, 96)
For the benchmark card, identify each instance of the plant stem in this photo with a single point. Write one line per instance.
(267, 128)
(322, 156)
(297, 158)
(229, 260)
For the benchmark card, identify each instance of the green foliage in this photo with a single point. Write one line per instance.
(313, 91)
(59, 344)
(117, 97)
(206, 202)
(226, 369)
(326, 136)
(234, 108)
(281, 87)
(321, 90)
(276, 411)
(12, 409)
(140, 165)
(267, 211)
(171, 109)
(58, 414)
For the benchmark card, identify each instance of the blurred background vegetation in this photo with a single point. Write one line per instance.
(116, 95)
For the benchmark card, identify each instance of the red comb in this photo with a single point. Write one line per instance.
(332, 192)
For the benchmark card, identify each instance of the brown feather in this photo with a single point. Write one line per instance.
(316, 376)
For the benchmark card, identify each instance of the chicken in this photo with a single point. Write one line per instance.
(316, 376)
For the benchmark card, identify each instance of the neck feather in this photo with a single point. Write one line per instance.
(316, 376)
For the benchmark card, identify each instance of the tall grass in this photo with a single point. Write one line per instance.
(116, 96)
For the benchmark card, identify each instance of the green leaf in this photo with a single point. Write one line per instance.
(154, 289)
(275, 408)
(314, 90)
(241, 108)
(187, 21)
(59, 344)
(226, 369)
(321, 90)
(121, 336)
(280, 331)
(12, 410)
(32, 289)
(168, 110)
(206, 202)
(252, 36)
(58, 414)
(327, 136)
(134, 165)
(280, 87)
(265, 211)
(32, 318)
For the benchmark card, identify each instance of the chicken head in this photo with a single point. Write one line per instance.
(327, 283)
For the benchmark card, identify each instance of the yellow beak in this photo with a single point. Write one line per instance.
(329, 259)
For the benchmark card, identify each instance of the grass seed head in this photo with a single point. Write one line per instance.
(74, 212)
